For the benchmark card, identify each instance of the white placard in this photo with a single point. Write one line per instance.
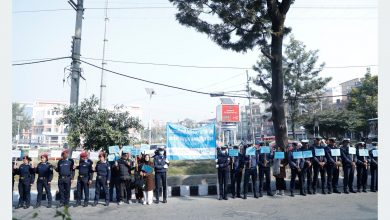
(351, 150)
(33, 153)
(16, 153)
(94, 155)
(76, 155)
(55, 153)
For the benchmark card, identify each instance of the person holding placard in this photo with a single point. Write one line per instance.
(147, 174)
(65, 168)
(138, 180)
(332, 165)
(374, 167)
(319, 161)
(251, 162)
(349, 163)
(307, 170)
(361, 167)
(114, 182)
(296, 164)
(103, 176)
(265, 158)
(45, 175)
(161, 164)
(237, 165)
(279, 169)
(26, 180)
(222, 164)
(125, 166)
(84, 179)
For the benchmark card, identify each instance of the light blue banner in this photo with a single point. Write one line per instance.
(319, 152)
(297, 155)
(307, 154)
(233, 152)
(265, 150)
(279, 155)
(250, 151)
(127, 149)
(191, 144)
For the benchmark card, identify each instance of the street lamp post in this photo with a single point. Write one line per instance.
(18, 118)
(150, 92)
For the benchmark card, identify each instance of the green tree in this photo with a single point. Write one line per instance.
(243, 25)
(25, 123)
(96, 128)
(301, 80)
(363, 100)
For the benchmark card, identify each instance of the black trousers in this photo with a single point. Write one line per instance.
(125, 189)
(253, 174)
(115, 183)
(264, 171)
(43, 183)
(332, 177)
(294, 175)
(82, 186)
(223, 176)
(24, 192)
(317, 169)
(362, 176)
(64, 188)
(349, 172)
(161, 180)
(101, 182)
(280, 183)
(306, 176)
(235, 182)
(374, 177)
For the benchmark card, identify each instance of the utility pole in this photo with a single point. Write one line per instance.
(102, 82)
(251, 130)
(76, 47)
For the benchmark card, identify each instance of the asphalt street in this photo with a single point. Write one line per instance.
(359, 206)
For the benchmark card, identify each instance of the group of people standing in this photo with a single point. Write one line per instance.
(123, 174)
(307, 169)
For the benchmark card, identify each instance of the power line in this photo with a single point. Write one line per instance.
(40, 61)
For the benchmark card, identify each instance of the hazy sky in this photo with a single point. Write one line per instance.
(345, 32)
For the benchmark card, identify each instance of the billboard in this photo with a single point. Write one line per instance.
(228, 113)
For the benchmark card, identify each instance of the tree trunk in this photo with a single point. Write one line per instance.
(278, 113)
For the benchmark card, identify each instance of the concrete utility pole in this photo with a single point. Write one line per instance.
(102, 81)
(76, 47)
(251, 130)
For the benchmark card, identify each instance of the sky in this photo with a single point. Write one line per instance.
(344, 32)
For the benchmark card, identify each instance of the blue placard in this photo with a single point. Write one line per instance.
(319, 152)
(127, 149)
(265, 150)
(147, 168)
(113, 149)
(375, 153)
(135, 151)
(111, 157)
(233, 152)
(297, 155)
(363, 152)
(351, 150)
(250, 151)
(307, 154)
(335, 152)
(279, 155)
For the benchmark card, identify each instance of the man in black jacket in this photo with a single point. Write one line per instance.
(125, 166)
(222, 164)
(161, 164)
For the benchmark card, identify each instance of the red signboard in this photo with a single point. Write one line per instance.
(230, 113)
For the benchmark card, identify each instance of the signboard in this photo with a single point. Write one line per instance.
(250, 151)
(319, 152)
(55, 153)
(307, 154)
(113, 149)
(144, 148)
(363, 152)
(228, 113)
(279, 155)
(94, 155)
(127, 149)
(76, 155)
(375, 153)
(135, 151)
(147, 168)
(191, 144)
(335, 152)
(351, 150)
(33, 153)
(297, 154)
(233, 152)
(16, 153)
(265, 150)
(111, 157)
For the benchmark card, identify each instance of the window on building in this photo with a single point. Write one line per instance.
(48, 112)
(48, 121)
(48, 129)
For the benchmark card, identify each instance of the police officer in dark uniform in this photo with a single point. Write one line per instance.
(45, 175)
(103, 177)
(222, 164)
(349, 164)
(361, 168)
(307, 169)
(251, 162)
(296, 165)
(125, 166)
(114, 182)
(161, 164)
(319, 163)
(65, 168)
(84, 179)
(374, 168)
(265, 170)
(236, 165)
(26, 179)
(333, 164)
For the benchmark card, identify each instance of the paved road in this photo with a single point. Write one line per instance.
(358, 206)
